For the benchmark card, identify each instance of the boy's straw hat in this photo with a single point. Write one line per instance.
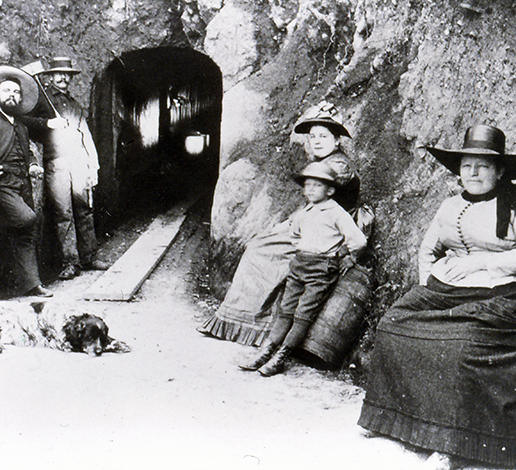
(320, 171)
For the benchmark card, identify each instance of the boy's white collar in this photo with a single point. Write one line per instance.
(328, 204)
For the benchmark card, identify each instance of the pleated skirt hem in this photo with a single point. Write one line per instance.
(235, 331)
(494, 450)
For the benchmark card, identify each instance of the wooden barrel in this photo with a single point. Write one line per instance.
(340, 323)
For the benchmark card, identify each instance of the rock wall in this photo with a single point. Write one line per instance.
(91, 33)
(403, 72)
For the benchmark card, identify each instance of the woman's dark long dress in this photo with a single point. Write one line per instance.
(443, 372)
(248, 309)
(445, 379)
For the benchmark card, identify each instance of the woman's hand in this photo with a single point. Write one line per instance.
(457, 268)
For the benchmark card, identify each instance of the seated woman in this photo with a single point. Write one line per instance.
(443, 369)
(246, 314)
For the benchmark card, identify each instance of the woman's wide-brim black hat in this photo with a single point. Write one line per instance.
(480, 140)
(29, 87)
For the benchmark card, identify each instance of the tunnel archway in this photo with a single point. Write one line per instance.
(155, 117)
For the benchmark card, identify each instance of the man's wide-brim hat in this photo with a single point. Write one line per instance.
(320, 171)
(480, 140)
(29, 87)
(61, 64)
(323, 115)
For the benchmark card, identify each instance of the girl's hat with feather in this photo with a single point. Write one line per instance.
(325, 114)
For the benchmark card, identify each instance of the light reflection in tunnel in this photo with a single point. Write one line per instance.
(148, 122)
(181, 106)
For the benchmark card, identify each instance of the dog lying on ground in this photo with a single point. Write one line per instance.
(51, 325)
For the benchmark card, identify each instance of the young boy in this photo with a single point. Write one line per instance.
(327, 241)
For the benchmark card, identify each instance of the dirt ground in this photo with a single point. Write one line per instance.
(178, 399)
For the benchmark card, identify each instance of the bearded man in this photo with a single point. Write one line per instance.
(18, 96)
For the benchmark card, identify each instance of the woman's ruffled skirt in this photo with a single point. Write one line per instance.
(246, 314)
(443, 374)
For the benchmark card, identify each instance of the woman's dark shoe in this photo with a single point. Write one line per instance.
(263, 356)
(96, 265)
(39, 291)
(69, 272)
(277, 362)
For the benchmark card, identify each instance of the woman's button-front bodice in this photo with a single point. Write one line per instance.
(461, 230)
(469, 227)
(459, 227)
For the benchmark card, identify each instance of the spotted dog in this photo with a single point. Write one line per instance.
(51, 325)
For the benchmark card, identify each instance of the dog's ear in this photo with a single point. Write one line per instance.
(72, 322)
(105, 329)
(73, 330)
(38, 306)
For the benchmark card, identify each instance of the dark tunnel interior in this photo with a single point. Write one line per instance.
(155, 117)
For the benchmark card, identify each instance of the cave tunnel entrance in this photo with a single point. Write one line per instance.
(155, 118)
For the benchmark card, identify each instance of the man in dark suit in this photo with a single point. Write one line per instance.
(18, 95)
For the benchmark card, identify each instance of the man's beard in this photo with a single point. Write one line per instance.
(10, 107)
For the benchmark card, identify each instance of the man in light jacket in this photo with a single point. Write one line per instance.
(71, 164)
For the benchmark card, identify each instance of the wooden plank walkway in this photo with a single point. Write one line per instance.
(127, 275)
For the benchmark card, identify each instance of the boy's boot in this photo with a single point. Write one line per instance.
(294, 338)
(279, 330)
(277, 363)
(264, 355)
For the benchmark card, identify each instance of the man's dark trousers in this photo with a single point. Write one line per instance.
(18, 227)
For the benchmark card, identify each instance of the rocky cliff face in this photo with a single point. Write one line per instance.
(403, 72)
(91, 33)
